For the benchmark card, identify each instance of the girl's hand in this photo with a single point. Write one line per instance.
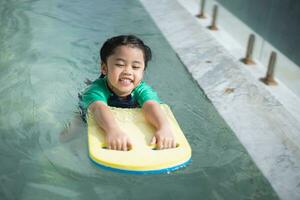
(118, 140)
(164, 138)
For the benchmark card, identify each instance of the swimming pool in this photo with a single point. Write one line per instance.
(47, 51)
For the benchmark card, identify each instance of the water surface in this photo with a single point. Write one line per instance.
(48, 49)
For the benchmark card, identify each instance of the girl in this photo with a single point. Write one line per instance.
(124, 59)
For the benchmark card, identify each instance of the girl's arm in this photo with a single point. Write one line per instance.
(163, 136)
(116, 139)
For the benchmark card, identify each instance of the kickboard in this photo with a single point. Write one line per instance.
(142, 157)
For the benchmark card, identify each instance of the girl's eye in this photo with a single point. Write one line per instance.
(136, 67)
(119, 65)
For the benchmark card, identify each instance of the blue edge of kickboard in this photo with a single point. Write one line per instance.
(157, 171)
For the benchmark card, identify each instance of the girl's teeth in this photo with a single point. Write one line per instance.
(126, 81)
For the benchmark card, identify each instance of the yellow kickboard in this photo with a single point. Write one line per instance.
(142, 158)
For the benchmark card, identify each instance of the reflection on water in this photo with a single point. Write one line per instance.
(48, 49)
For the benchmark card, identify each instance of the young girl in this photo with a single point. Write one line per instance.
(124, 59)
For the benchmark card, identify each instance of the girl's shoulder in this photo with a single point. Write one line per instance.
(142, 86)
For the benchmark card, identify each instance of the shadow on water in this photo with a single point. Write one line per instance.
(48, 49)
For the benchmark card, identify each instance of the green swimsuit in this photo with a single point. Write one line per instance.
(99, 91)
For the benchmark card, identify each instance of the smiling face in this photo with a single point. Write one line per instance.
(124, 69)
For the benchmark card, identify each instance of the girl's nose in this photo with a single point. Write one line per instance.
(127, 71)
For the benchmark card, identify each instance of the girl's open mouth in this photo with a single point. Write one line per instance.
(125, 81)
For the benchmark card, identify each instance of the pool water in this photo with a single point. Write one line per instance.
(48, 49)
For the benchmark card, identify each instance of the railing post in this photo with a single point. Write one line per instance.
(248, 59)
(202, 8)
(213, 25)
(269, 79)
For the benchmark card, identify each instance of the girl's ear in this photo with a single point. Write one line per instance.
(103, 69)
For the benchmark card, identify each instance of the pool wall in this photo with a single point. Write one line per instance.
(271, 22)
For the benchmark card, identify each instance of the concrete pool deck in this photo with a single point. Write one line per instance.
(265, 123)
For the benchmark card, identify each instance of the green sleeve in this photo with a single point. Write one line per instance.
(144, 92)
(97, 91)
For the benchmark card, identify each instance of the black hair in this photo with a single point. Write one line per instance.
(127, 40)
